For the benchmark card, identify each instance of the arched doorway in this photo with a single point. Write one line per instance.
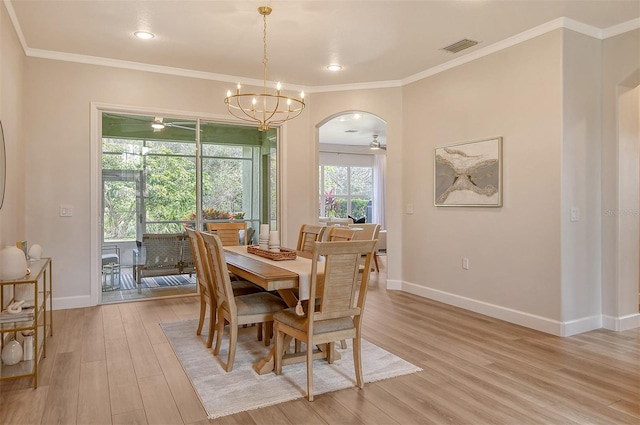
(351, 148)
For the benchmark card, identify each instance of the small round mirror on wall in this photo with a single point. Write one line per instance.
(3, 166)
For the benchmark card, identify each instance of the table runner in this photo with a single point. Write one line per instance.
(301, 266)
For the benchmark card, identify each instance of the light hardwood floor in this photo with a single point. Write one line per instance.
(112, 365)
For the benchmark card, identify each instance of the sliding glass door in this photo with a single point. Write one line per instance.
(162, 174)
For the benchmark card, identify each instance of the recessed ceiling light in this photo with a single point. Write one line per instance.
(334, 68)
(144, 35)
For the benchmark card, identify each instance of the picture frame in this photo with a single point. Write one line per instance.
(468, 174)
(3, 166)
(23, 246)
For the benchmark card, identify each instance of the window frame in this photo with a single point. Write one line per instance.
(328, 160)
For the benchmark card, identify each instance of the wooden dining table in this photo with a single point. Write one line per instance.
(283, 277)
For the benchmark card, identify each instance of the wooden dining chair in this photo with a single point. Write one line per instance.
(207, 293)
(229, 233)
(236, 310)
(308, 235)
(339, 233)
(337, 314)
(368, 231)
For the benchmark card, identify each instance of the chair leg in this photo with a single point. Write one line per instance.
(139, 282)
(268, 332)
(233, 339)
(375, 260)
(212, 326)
(259, 331)
(343, 344)
(203, 310)
(357, 363)
(279, 349)
(331, 350)
(219, 332)
(310, 369)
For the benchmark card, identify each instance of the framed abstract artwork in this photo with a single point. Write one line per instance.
(469, 174)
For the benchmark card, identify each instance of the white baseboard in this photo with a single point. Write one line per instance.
(394, 285)
(72, 302)
(623, 323)
(521, 318)
(585, 324)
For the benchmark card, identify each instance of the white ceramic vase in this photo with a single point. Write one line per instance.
(27, 345)
(12, 353)
(35, 252)
(13, 263)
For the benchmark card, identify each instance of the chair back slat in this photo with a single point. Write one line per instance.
(338, 233)
(308, 235)
(341, 290)
(197, 248)
(367, 231)
(229, 233)
(219, 272)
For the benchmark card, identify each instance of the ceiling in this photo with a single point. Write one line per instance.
(378, 43)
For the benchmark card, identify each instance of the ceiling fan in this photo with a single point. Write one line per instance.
(375, 144)
(157, 123)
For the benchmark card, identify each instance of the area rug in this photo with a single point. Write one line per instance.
(242, 389)
(155, 282)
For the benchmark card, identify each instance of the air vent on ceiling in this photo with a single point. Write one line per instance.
(351, 131)
(460, 45)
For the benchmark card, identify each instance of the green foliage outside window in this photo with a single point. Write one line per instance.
(170, 185)
(338, 208)
(347, 191)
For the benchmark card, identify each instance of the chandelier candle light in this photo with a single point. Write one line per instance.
(265, 109)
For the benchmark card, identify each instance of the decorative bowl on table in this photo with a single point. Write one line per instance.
(281, 254)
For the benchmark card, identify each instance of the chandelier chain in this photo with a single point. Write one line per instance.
(264, 40)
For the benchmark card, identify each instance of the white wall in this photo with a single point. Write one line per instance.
(514, 251)
(12, 222)
(581, 146)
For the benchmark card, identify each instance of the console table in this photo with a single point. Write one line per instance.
(40, 323)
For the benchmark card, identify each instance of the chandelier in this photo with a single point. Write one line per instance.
(265, 109)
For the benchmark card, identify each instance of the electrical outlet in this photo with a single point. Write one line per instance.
(575, 214)
(465, 263)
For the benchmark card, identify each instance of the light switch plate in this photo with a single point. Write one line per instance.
(66, 211)
(465, 263)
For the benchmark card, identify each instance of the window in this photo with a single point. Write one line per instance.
(346, 186)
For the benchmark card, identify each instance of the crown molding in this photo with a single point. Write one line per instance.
(356, 86)
(506, 43)
(615, 30)
(16, 24)
(559, 23)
